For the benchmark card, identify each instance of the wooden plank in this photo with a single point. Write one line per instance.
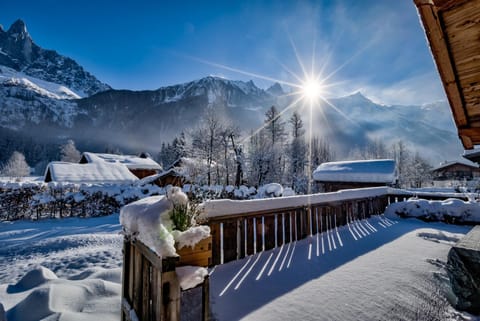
(269, 232)
(148, 253)
(250, 243)
(215, 231)
(198, 259)
(202, 246)
(131, 273)
(157, 300)
(137, 283)
(206, 299)
(146, 295)
(171, 296)
(440, 50)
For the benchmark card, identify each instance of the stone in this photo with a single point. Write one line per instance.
(463, 268)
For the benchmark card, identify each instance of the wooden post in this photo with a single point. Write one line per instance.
(206, 299)
(171, 296)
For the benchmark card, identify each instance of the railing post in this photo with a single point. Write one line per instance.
(221, 244)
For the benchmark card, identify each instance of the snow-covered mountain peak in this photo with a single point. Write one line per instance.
(19, 52)
(276, 89)
(18, 30)
(357, 98)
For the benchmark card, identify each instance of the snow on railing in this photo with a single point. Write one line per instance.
(242, 228)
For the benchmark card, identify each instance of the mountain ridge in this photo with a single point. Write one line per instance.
(37, 100)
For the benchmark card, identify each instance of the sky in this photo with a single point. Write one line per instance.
(376, 47)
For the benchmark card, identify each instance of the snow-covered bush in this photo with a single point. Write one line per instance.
(450, 210)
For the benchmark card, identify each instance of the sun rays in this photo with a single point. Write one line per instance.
(308, 91)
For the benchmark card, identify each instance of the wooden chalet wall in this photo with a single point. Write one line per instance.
(328, 187)
(141, 173)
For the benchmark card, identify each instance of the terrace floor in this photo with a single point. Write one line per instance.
(376, 269)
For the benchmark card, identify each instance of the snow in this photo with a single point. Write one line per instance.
(131, 161)
(381, 270)
(364, 171)
(190, 276)
(89, 173)
(223, 207)
(9, 76)
(191, 236)
(388, 271)
(270, 190)
(149, 220)
(462, 211)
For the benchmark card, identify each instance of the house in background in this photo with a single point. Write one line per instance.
(94, 173)
(141, 166)
(455, 170)
(334, 176)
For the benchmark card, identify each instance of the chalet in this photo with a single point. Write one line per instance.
(334, 176)
(94, 173)
(141, 166)
(171, 177)
(456, 170)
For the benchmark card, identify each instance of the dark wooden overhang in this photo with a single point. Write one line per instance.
(453, 31)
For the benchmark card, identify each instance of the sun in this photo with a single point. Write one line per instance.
(312, 89)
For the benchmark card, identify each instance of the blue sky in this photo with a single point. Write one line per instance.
(377, 47)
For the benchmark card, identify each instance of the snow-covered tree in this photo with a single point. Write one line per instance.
(259, 159)
(205, 142)
(169, 153)
(298, 159)
(274, 131)
(69, 152)
(16, 166)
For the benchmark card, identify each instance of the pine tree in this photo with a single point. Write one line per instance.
(16, 166)
(69, 152)
(274, 131)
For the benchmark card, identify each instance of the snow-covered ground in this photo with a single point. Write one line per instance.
(378, 269)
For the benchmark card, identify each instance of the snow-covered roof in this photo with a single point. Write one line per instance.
(360, 171)
(89, 173)
(131, 161)
(450, 163)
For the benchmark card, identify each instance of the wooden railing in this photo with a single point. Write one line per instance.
(242, 228)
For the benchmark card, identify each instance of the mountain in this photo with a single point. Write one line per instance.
(20, 53)
(356, 120)
(46, 98)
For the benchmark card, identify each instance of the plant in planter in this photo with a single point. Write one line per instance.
(192, 241)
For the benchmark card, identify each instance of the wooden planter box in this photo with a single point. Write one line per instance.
(199, 255)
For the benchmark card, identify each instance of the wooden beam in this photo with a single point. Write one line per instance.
(447, 4)
(436, 36)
